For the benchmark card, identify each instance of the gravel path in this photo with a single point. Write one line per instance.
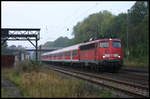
(10, 89)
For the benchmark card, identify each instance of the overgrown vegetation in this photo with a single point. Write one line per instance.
(37, 81)
(59, 42)
(3, 93)
(106, 94)
(136, 62)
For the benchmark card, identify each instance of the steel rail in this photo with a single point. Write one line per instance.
(132, 76)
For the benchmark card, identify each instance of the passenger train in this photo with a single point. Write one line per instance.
(104, 54)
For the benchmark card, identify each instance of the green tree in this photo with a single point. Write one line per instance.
(59, 42)
(138, 28)
(94, 26)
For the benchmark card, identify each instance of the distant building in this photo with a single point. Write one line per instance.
(25, 56)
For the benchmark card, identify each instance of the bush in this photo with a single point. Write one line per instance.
(29, 66)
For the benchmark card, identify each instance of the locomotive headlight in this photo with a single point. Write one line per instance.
(106, 55)
(117, 55)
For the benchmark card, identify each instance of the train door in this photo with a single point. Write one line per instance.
(63, 56)
(96, 51)
(71, 55)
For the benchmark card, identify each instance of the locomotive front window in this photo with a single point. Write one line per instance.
(116, 44)
(104, 44)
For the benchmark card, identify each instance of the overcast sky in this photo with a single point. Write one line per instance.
(53, 18)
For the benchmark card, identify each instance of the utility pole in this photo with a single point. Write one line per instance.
(97, 31)
(127, 33)
(36, 49)
(40, 53)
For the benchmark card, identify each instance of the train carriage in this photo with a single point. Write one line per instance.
(68, 54)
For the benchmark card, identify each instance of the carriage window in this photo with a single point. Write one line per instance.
(75, 52)
(104, 44)
(67, 53)
(59, 54)
(116, 44)
(86, 47)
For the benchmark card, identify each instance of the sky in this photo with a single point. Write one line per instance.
(54, 17)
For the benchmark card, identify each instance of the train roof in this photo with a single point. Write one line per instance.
(110, 39)
(74, 47)
(77, 46)
(106, 39)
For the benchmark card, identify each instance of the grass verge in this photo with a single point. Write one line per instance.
(143, 63)
(35, 81)
(4, 93)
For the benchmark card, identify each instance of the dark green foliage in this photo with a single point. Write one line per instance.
(96, 25)
(59, 43)
(29, 66)
(138, 29)
(138, 12)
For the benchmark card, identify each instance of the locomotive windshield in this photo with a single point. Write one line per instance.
(104, 44)
(116, 44)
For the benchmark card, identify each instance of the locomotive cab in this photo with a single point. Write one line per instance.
(110, 53)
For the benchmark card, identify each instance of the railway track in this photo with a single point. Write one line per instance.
(139, 76)
(129, 89)
(133, 77)
(134, 69)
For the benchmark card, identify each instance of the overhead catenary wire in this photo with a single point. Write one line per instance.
(72, 19)
(46, 30)
(66, 20)
(79, 16)
(85, 11)
(71, 15)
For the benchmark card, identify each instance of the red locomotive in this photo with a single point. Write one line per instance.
(104, 54)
